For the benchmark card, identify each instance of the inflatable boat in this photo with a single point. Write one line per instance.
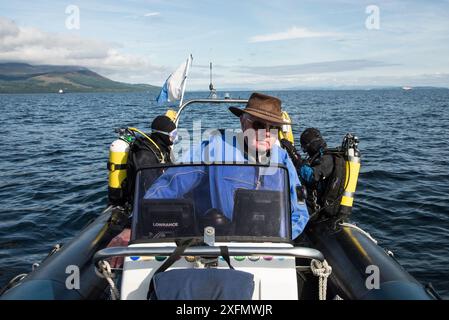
(184, 248)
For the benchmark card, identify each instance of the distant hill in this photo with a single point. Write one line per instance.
(25, 78)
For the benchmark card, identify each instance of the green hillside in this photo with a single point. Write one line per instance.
(25, 78)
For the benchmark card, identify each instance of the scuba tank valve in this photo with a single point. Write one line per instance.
(286, 129)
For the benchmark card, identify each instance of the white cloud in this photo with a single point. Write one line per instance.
(315, 68)
(8, 28)
(152, 14)
(292, 33)
(31, 45)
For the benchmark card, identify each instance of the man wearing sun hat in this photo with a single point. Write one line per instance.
(260, 121)
(263, 114)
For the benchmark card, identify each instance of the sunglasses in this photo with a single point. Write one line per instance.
(260, 125)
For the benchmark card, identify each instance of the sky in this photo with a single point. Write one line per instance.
(253, 44)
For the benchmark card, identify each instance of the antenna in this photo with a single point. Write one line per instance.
(213, 92)
(211, 86)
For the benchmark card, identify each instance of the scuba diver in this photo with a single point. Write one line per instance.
(323, 173)
(163, 132)
(150, 149)
(146, 150)
(320, 164)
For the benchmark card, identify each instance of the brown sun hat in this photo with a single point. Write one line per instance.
(264, 107)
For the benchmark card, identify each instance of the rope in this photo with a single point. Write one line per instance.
(104, 271)
(323, 271)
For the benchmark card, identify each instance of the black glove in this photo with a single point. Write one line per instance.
(293, 154)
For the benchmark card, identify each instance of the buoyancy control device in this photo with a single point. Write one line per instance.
(337, 198)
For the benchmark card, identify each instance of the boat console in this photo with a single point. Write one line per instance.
(219, 205)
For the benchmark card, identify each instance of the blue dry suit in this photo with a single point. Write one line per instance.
(225, 180)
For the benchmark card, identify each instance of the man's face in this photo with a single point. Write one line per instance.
(263, 134)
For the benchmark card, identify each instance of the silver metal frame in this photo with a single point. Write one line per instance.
(207, 101)
(204, 251)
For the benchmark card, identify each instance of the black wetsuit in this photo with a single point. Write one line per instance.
(315, 174)
(144, 153)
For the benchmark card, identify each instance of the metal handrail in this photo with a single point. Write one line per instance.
(185, 104)
(298, 252)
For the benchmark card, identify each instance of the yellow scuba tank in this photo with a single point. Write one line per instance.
(352, 158)
(118, 157)
(286, 130)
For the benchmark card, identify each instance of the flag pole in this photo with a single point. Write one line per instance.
(189, 62)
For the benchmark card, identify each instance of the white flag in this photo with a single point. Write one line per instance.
(174, 85)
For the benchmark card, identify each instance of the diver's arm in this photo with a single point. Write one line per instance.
(313, 174)
(292, 152)
(306, 173)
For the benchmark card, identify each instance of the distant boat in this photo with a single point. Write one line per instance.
(407, 88)
(61, 91)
